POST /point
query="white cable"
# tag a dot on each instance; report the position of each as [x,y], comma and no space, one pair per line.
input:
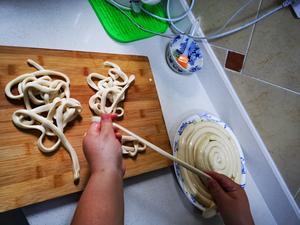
[237,12]
[145,29]
[170,19]
[210,37]
[214,36]
[120,6]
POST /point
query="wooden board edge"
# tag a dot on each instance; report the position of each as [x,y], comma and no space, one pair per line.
[67,53]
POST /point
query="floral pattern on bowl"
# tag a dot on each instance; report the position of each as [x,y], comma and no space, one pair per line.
[176,47]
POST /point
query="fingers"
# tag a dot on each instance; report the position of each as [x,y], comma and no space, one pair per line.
[216,191]
[225,182]
[118,136]
[106,124]
[104,127]
[94,129]
[113,116]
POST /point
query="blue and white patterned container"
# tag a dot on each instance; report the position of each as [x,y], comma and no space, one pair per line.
[176,47]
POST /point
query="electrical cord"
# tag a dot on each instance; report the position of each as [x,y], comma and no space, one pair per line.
[215,35]
[178,18]
[170,19]
[211,37]
[145,29]
[285,4]
[237,12]
[118,5]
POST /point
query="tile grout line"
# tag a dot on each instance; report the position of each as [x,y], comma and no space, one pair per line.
[246,55]
[226,49]
[266,82]
[247,49]
[251,36]
[249,42]
[253,28]
[241,73]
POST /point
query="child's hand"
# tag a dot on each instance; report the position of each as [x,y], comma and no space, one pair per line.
[101,147]
[231,200]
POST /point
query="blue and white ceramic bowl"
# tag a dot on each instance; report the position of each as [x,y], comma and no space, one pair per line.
[176,47]
[179,131]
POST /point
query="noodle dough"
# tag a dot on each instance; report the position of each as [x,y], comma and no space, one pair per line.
[111,90]
[208,146]
[133,149]
[49,107]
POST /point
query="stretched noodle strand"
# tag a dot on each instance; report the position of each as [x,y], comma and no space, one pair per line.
[44,94]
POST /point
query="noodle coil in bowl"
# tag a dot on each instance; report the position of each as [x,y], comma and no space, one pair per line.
[207,143]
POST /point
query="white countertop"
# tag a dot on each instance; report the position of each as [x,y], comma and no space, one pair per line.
[72,25]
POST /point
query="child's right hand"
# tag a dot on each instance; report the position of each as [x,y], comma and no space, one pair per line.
[231,200]
[102,148]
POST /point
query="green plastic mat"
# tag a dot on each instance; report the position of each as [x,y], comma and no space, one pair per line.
[120,28]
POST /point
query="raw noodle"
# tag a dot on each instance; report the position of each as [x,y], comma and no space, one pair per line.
[49,108]
[208,146]
[111,90]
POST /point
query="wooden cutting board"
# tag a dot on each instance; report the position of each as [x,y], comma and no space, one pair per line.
[28,176]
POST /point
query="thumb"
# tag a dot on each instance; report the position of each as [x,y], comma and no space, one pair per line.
[106,124]
[216,191]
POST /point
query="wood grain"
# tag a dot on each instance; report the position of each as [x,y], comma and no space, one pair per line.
[28,176]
